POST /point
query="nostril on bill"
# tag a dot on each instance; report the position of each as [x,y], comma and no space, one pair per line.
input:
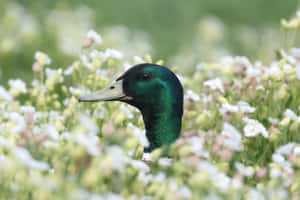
[112,87]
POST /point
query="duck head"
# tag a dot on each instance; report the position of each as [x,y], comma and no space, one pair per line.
[156,92]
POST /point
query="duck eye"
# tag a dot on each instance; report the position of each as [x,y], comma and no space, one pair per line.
[145,77]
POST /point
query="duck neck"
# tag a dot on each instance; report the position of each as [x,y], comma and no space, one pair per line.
[162,123]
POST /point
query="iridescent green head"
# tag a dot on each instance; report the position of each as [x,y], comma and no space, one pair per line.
[157,93]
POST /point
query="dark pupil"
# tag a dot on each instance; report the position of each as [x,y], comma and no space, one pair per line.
[145,77]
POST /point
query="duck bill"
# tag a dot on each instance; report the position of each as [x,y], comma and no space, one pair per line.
[112,93]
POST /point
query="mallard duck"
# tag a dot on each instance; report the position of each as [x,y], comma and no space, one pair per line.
[156,92]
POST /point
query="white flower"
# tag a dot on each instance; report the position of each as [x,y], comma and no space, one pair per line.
[246,171]
[289,113]
[279,159]
[185,192]
[140,135]
[68,71]
[42,58]
[138,59]
[147,157]
[165,161]
[90,142]
[113,53]
[94,36]
[18,84]
[192,95]
[197,147]
[297,151]
[19,122]
[90,125]
[228,108]
[273,120]
[4,94]
[109,53]
[298,13]
[127,110]
[52,132]
[286,149]
[289,58]
[255,194]
[253,128]
[233,138]
[160,177]
[119,160]
[24,157]
[214,84]
[139,165]
[76,91]
[222,182]
[53,73]
[27,109]
[245,107]
[85,61]
[5,143]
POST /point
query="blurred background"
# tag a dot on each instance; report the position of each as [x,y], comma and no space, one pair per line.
[183,33]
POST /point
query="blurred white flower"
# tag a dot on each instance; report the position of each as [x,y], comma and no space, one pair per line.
[113,53]
[139,165]
[89,124]
[214,84]
[246,171]
[185,192]
[212,196]
[197,147]
[297,151]
[253,128]
[233,137]
[42,58]
[286,149]
[255,194]
[147,157]
[94,36]
[5,143]
[52,132]
[85,61]
[19,121]
[164,161]
[291,114]
[160,177]
[228,108]
[68,71]
[279,159]
[18,84]
[190,94]
[27,109]
[90,142]
[127,110]
[4,94]
[298,13]
[273,120]
[140,135]
[245,107]
[24,157]
[119,160]
[76,91]
[53,73]
[109,53]
[138,59]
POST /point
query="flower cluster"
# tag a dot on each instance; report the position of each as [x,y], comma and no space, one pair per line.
[240,135]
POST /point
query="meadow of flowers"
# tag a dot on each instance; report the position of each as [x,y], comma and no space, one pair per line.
[240,137]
